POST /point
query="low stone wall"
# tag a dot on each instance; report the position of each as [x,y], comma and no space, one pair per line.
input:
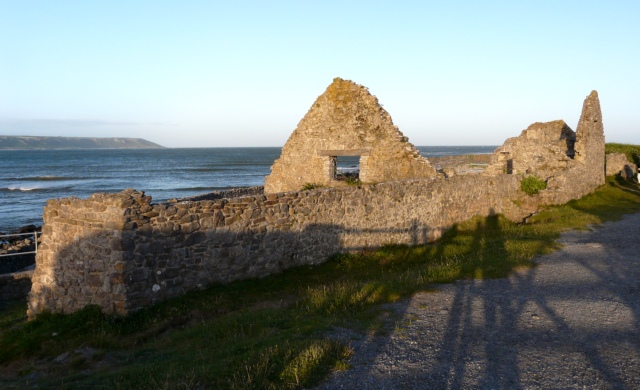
[225,194]
[122,252]
[14,287]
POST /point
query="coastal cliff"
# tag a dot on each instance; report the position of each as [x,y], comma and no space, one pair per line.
[31,142]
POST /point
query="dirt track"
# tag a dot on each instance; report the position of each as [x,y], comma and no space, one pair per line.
[571,322]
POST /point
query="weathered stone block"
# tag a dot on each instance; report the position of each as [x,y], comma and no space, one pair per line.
[617,163]
[138,275]
[93,280]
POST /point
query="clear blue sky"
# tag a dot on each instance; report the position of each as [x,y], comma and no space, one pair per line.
[243,73]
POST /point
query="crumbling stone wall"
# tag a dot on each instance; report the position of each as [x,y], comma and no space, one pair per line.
[122,252]
[225,194]
[572,164]
[618,163]
[589,145]
[542,149]
[85,252]
[346,120]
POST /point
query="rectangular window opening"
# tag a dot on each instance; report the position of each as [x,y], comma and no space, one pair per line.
[348,168]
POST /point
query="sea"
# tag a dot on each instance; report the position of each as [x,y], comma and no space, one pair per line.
[29,177]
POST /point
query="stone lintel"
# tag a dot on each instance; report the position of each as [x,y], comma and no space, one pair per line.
[352,152]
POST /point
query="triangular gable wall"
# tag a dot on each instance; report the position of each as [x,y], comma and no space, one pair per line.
[346,120]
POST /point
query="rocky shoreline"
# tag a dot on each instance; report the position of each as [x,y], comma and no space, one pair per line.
[16,245]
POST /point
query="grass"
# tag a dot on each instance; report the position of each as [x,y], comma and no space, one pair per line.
[632,151]
[311,186]
[352,181]
[349,179]
[273,333]
[531,185]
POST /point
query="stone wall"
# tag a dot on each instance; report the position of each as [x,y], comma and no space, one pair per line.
[85,252]
[346,120]
[572,164]
[225,194]
[542,150]
[618,163]
[122,252]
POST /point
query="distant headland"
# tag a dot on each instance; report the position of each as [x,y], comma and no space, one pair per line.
[19,142]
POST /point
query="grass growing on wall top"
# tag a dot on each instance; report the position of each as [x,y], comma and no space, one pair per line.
[311,186]
[273,332]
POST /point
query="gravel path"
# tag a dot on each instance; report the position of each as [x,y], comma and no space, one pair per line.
[571,322]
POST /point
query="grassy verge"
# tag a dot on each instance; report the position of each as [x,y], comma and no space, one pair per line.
[272,333]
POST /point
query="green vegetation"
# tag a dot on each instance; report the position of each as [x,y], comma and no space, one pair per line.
[531,185]
[274,332]
[311,186]
[349,178]
[352,181]
[632,151]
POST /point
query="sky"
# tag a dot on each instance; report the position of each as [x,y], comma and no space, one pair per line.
[244,73]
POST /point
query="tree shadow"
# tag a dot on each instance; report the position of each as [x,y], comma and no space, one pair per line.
[509,331]
[469,311]
[572,321]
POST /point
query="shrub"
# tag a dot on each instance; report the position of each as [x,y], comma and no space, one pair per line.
[531,185]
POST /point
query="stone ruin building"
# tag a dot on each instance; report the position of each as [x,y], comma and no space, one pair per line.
[541,149]
[346,120]
[550,150]
[122,252]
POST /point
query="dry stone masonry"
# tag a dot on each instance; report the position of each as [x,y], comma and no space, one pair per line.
[122,252]
[572,164]
[346,120]
[542,149]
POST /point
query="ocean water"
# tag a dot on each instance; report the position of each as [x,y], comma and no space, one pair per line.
[29,177]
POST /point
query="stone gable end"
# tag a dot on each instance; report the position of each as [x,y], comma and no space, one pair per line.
[346,120]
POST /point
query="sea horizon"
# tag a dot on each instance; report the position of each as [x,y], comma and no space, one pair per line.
[28,178]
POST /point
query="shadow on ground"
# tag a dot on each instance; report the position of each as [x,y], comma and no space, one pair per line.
[571,322]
